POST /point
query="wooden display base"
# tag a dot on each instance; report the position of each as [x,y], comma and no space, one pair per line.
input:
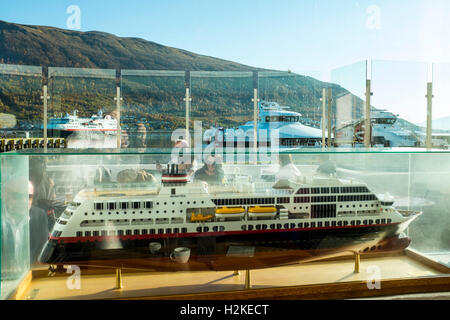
[351,277]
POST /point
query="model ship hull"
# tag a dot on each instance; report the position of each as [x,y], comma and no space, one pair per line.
[227,250]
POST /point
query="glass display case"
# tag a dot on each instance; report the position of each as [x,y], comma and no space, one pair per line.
[79,220]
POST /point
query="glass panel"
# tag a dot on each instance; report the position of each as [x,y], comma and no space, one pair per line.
[350,104]
[212,213]
[292,106]
[441,112]
[399,102]
[152,107]
[15,254]
[21,111]
[82,107]
[221,105]
[429,193]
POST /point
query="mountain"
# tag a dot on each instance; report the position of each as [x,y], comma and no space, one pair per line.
[441,124]
[48,46]
[157,100]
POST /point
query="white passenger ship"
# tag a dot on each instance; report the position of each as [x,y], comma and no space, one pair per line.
[65,125]
[289,221]
[274,122]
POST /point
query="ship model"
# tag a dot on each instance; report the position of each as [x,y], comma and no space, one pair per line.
[239,225]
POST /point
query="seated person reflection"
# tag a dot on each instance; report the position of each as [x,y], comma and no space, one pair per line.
[185,162]
[287,170]
[211,172]
[40,227]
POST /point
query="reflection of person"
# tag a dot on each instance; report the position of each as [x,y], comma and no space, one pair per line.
[137,137]
[14,224]
[326,166]
[40,226]
[124,141]
[44,195]
[211,172]
[287,170]
[185,162]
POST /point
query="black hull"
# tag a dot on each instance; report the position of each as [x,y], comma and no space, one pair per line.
[212,252]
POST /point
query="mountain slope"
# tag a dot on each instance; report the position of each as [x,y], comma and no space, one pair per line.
[160,100]
[48,46]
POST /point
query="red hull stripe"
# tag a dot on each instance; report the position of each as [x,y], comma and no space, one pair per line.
[85,129]
[199,234]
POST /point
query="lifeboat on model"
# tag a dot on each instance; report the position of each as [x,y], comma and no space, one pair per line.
[230,212]
[200,217]
[258,211]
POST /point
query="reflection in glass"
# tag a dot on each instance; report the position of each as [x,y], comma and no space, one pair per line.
[152,107]
[21,111]
[82,107]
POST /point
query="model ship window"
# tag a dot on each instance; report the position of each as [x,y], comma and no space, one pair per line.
[119,222]
[111,205]
[141,221]
[136,205]
[324,190]
[152,231]
[387,203]
[283,200]
[360,189]
[103,233]
[124,205]
[92,223]
[79,234]
[302,199]
[87,233]
[335,190]
[148,204]
[367,212]
[315,190]
[364,197]
[98,206]
[161,220]
[177,220]
[303,191]
[324,199]
[120,232]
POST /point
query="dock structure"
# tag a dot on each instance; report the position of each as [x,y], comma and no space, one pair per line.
[31,143]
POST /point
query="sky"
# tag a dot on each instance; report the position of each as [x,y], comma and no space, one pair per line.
[306,36]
